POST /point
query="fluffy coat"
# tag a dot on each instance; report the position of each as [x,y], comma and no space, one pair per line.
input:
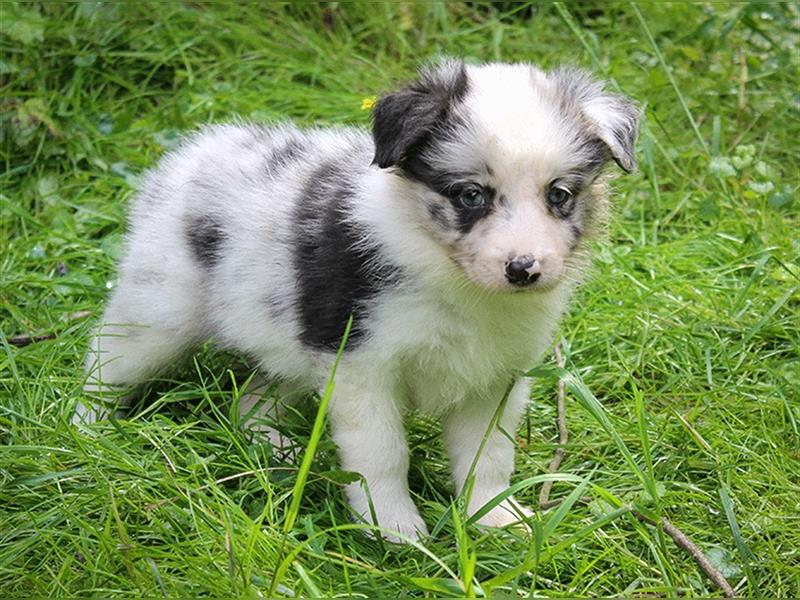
[454,235]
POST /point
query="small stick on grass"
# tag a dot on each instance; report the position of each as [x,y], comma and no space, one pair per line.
[681,539]
[563,436]
[742,82]
[24,340]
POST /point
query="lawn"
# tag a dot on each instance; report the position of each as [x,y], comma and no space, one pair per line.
[682,351]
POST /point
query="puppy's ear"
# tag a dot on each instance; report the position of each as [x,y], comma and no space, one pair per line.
[615,117]
[403,120]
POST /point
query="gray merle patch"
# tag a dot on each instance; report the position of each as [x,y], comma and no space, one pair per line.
[284,154]
[205,235]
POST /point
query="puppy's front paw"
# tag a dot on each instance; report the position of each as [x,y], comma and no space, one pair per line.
[508,512]
[402,527]
[398,519]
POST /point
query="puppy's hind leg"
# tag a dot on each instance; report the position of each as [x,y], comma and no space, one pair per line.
[144,329]
[260,413]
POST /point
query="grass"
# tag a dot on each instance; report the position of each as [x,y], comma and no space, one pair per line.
[683,351]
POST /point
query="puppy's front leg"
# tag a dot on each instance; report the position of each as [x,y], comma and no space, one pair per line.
[464,429]
[367,426]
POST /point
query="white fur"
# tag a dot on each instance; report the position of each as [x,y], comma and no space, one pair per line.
[446,342]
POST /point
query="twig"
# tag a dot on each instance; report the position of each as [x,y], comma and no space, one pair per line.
[26,339]
[681,539]
[742,82]
[23,340]
[563,436]
[553,503]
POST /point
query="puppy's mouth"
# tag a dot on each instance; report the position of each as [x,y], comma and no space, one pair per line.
[537,286]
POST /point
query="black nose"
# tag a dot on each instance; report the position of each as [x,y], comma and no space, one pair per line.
[522,270]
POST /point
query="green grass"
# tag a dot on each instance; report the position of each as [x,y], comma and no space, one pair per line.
[688,332]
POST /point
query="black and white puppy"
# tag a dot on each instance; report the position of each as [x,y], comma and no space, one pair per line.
[454,235]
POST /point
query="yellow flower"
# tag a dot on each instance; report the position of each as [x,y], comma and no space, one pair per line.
[368,102]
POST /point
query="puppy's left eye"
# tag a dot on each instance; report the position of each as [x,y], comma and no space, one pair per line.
[558,196]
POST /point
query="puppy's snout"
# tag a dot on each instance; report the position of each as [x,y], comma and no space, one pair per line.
[522,270]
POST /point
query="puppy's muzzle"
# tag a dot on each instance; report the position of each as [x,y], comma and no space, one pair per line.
[523,270]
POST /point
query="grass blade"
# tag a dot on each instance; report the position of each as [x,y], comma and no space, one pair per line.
[308,457]
[521,485]
[590,402]
[316,434]
[558,515]
[741,546]
[670,76]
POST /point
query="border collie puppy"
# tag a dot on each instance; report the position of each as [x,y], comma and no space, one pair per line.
[454,235]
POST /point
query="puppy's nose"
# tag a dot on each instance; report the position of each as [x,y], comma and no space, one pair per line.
[522,270]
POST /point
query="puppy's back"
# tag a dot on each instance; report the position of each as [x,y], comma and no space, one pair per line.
[213,236]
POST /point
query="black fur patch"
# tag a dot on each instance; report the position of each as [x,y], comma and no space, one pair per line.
[205,236]
[337,275]
[404,120]
[468,217]
[407,125]
[450,185]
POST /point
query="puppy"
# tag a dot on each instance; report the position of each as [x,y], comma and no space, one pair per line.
[454,235]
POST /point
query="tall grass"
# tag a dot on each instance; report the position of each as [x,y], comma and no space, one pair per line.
[682,371]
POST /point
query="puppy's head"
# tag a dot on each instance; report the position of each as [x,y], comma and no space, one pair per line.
[505,163]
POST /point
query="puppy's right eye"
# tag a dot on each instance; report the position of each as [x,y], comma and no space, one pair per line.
[472,197]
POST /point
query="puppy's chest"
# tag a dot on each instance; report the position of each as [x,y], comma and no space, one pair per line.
[454,356]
